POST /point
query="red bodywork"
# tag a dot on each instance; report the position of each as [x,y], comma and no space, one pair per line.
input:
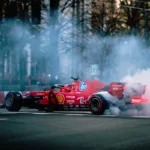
[117,89]
[76,94]
[72,95]
[139,100]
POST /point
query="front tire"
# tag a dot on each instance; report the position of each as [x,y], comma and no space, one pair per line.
[97,104]
[13,101]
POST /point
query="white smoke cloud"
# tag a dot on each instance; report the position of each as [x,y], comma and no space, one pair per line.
[128,62]
[141,76]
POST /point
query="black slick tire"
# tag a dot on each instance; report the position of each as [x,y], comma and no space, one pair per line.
[97,104]
[13,101]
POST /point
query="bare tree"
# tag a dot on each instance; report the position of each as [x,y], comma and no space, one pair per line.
[36,11]
[9,12]
[54,36]
[133,16]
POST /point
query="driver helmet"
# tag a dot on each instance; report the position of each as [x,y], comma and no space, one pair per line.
[68,87]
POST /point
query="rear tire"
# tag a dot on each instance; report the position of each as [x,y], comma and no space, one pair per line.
[13,101]
[97,104]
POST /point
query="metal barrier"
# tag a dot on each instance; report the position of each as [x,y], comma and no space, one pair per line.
[9,88]
[18,88]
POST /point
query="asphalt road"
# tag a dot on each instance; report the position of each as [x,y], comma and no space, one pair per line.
[71,131]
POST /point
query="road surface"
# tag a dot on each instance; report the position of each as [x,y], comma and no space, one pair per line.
[72,131]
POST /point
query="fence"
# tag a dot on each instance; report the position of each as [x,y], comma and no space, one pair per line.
[18,88]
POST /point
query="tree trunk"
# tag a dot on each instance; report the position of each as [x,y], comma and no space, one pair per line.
[1,9]
[11,9]
[54,6]
[36,11]
[36,20]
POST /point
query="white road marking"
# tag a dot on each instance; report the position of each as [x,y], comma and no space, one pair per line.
[41,113]
[23,112]
[15,113]
[46,113]
[69,114]
[140,116]
[9,113]
[76,114]
[109,115]
[3,119]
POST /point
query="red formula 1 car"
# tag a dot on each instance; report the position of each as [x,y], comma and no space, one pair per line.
[93,94]
[57,97]
[123,96]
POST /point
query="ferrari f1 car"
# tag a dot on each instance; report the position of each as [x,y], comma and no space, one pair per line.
[57,97]
[91,94]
